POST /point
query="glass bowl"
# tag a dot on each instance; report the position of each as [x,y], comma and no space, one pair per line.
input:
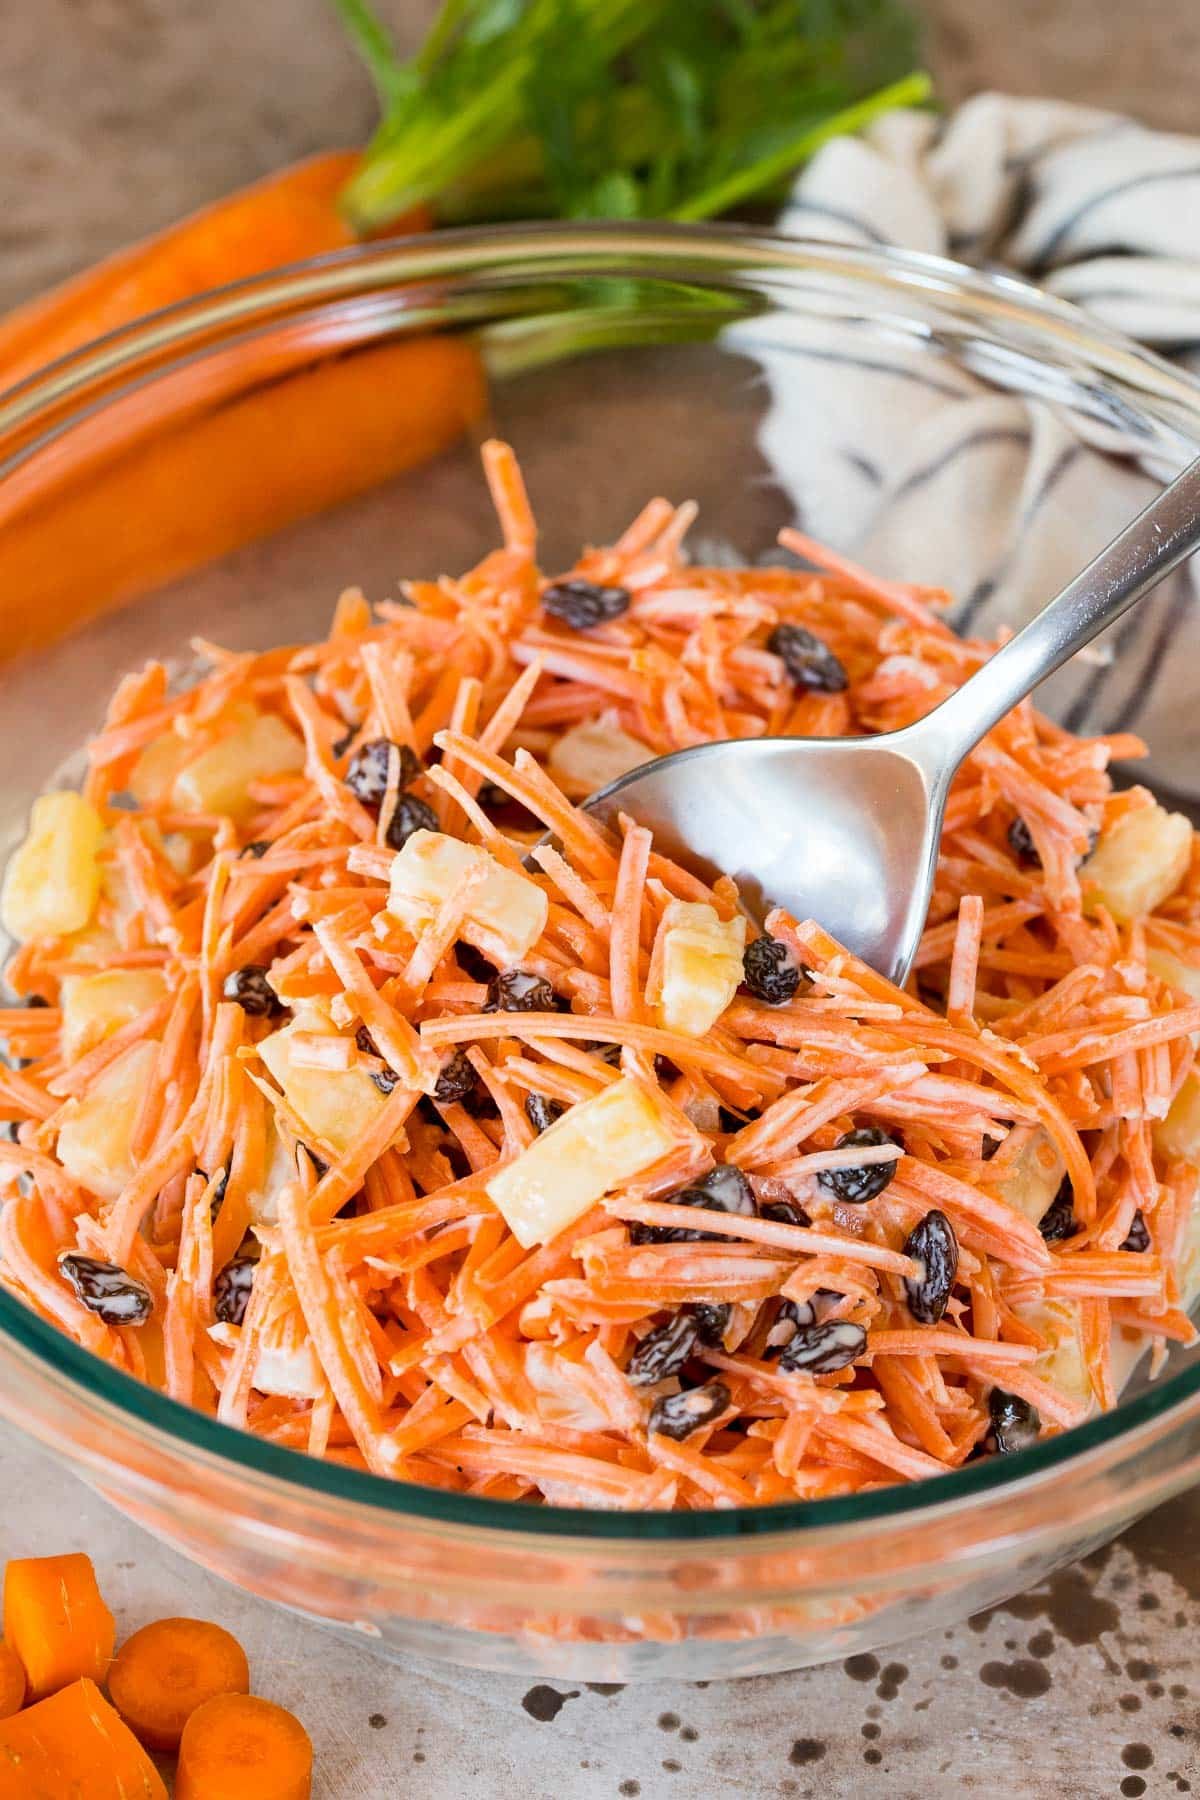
[764,378]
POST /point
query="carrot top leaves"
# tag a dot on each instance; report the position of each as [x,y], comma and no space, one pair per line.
[619,108]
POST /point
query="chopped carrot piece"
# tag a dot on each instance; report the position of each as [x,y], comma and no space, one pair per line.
[12,1682]
[56,1621]
[74,1746]
[166,1670]
[242,1748]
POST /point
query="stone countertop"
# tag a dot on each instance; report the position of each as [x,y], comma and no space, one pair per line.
[1089,1685]
[118,116]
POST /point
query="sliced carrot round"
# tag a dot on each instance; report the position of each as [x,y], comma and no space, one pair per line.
[242,1748]
[12,1681]
[168,1669]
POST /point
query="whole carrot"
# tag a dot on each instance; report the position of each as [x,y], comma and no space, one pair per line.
[130,501]
[287,216]
[116,516]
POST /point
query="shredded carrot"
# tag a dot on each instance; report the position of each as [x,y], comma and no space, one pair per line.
[363,1066]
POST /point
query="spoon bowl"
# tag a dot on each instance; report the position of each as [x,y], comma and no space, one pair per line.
[845,830]
[842,830]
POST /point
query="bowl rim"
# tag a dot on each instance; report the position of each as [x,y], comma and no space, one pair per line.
[541,250]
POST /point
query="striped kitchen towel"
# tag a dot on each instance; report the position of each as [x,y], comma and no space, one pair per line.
[980,488]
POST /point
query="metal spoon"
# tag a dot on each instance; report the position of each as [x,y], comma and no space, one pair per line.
[846,830]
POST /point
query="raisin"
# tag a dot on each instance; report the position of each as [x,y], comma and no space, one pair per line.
[711,1319]
[340,745]
[723,1189]
[479,1103]
[1139,1234]
[607,1053]
[663,1351]
[34,1001]
[809,662]
[824,1347]
[1059,1221]
[583,604]
[542,1112]
[770,972]
[793,1316]
[515,990]
[473,963]
[218,1193]
[1015,1423]
[933,1244]
[1020,842]
[678,1415]
[252,991]
[231,1290]
[257,849]
[857,1186]
[385,1079]
[456,1079]
[105,1289]
[367,776]
[409,815]
[784,1212]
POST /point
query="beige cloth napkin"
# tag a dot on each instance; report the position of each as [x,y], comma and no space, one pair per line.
[994,495]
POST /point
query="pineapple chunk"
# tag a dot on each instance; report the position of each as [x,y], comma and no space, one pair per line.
[1175,972]
[589,756]
[52,882]
[1035,1178]
[94,1006]
[217,780]
[700,966]
[1178,1135]
[1141,859]
[595,1147]
[280,1169]
[289,1369]
[156,769]
[507,913]
[337,1105]
[96,1134]
[160,764]
[1063,1363]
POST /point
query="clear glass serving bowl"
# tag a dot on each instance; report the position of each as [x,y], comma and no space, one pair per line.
[621,363]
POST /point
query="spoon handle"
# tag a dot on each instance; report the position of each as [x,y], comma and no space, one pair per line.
[1138,557]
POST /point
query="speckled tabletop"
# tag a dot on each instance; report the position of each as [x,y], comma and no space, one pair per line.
[118,115]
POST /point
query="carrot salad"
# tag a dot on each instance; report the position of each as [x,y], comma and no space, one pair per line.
[368,1095]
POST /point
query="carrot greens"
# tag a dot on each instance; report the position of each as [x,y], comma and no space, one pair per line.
[619,108]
